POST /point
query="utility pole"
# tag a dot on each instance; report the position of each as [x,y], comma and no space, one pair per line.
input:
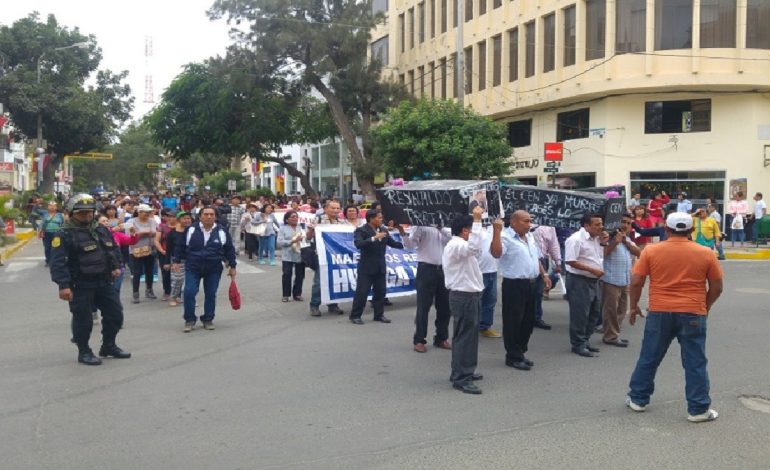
[460,54]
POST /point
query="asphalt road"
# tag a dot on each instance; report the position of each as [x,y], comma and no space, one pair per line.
[272,387]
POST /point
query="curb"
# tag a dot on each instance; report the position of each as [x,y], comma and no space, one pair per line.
[24,239]
[759,256]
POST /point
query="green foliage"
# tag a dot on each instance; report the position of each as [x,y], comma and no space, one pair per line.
[255,193]
[76,117]
[218,181]
[443,138]
[11,213]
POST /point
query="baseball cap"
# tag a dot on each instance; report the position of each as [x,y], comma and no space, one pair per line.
[181,214]
[679,222]
[143,208]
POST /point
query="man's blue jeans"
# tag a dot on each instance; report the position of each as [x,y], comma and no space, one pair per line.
[488,301]
[660,329]
[192,281]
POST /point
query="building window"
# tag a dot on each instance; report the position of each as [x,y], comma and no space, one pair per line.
[673,24]
[717,23]
[468,10]
[630,25]
[664,117]
[570,36]
[455,14]
[402,79]
[380,50]
[497,4]
[468,70]
[596,22]
[432,78]
[497,58]
[572,124]
[529,59]
[757,19]
[379,6]
[513,55]
[443,15]
[442,68]
[433,18]
[482,7]
[410,79]
[482,65]
[549,42]
[402,31]
[520,133]
[421,81]
[421,22]
[410,20]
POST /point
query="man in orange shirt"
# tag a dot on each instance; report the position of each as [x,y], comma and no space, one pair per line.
[679,302]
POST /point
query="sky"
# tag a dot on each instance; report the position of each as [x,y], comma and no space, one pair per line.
[180,30]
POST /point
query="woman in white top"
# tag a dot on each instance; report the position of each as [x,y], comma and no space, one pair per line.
[143,252]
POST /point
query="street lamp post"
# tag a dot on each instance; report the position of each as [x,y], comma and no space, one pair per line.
[40,150]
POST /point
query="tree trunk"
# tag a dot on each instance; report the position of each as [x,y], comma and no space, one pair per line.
[304,180]
[49,174]
[345,129]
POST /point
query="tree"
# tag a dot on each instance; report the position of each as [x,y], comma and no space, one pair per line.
[442,138]
[324,43]
[229,107]
[75,117]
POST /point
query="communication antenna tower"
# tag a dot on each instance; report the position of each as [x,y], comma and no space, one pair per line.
[149,95]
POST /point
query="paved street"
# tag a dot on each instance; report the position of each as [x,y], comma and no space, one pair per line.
[275,388]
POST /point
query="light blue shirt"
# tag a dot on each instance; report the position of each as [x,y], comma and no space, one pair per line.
[617,266]
[684,206]
[521,256]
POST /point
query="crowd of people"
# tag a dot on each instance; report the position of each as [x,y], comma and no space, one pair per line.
[181,242]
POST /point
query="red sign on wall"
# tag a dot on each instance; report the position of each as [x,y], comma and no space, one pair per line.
[554,151]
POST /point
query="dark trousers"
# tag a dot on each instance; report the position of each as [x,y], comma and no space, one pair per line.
[141,266]
[585,303]
[47,239]
[364,282]
[192,283]
[431,288]
[165,275]
[105,298]
[465,308]
[299,275]
[252,245]
[518,311]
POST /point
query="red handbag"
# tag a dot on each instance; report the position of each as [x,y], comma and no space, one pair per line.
[235,296]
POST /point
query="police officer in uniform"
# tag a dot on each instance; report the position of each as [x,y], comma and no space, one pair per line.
[84,262]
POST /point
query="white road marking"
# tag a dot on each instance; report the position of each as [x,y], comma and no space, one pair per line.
[752,290]
[19,266]
[244,268]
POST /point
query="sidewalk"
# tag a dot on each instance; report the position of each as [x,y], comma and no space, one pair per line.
[23,236]
[749,251]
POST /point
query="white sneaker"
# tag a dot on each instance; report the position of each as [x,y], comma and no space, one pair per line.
[634,406]
[710,415]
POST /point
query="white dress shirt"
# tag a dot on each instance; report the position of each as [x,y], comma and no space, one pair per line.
[521,256]
[487,262]
[429,242]
[461,266]
[581,247]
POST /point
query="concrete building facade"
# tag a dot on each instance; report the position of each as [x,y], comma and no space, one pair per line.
[653,94]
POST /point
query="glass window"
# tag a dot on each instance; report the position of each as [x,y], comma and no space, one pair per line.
[402,31]
[513,54]
[520,133]
[432,18]
[455,14]
[529,60]
[421,22]
[410,79]
[572,124]
[596,21]
[717,23]
[630,25]
[468,70]
[432,78]
[442,67]
[401,79]
[421,81]
[468,10]
[482,7]
[482,65]
[410,20]
[497,57]
[673,24]
[549,42]
[570,36]
[663,117]
[497,3]
[443,15]
[380,50]
[757,19]
[379,6]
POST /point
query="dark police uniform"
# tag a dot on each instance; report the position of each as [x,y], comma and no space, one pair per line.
[82,259]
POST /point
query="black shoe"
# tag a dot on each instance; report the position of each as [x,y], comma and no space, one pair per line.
[592,348]
[528,362]
[521,365]
[477,376]
[542,325]
[618,342]
[467,387]
[336,310]
[382,319]
[88,358]
[356,321]
[583,352]
[387,302]
[112,350]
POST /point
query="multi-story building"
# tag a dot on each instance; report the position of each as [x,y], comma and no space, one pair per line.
[670,94]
